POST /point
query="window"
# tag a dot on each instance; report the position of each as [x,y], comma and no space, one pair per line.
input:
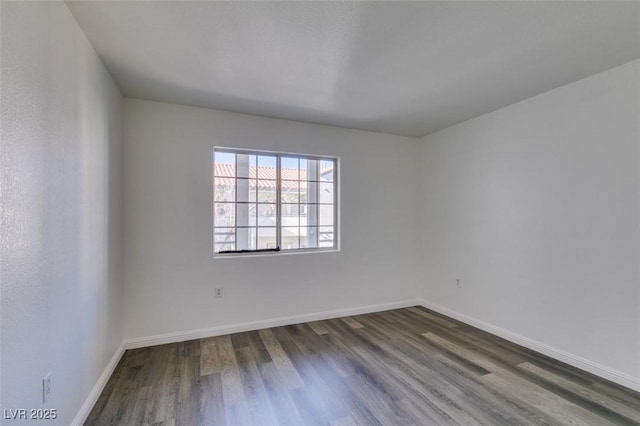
[267,201]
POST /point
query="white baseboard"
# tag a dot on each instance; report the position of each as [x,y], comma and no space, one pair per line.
[182,336]
[600,370]
[82,415]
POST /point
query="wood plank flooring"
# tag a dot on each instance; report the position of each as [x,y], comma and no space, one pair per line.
[407,366]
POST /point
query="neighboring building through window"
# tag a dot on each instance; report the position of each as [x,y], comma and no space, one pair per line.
[272,201]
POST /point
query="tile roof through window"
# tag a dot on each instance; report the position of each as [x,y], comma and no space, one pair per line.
[225,174]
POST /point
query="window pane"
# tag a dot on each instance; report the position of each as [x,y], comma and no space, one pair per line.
[225,189]
[246,190]
[309,237]
[227,235]
[326,236]
[225,164]
[309,215]
[253,214]
[253,190]
[325,192]
[326,214]
[247,214]
[266,167]
[288,168]
[289,191]
[326,171]
[290,214]
[224,247]
[224,214]
[290,240]
[245,166]
[308,192]
[267,214]
[267,191]
[308,169]
[290,226]
[246,239]
[267,238]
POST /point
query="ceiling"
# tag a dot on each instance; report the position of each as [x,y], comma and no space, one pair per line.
[407,68]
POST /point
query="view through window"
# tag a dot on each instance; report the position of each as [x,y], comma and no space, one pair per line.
[272,201]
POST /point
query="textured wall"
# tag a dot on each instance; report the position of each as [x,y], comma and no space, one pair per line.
[169,270]
[60,189]
[536,208]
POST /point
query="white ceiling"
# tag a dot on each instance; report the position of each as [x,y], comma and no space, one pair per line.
[404,68]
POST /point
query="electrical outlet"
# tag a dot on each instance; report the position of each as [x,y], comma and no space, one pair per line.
[46,388]
[458,283]
[219,293]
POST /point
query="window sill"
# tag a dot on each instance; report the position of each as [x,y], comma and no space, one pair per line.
[219,256]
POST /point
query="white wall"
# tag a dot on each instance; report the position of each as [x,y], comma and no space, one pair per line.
[169,272]
[536,207]
[60,231]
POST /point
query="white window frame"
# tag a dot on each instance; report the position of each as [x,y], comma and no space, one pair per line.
[279,155]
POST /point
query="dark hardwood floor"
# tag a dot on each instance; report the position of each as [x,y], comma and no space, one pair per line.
[402,367]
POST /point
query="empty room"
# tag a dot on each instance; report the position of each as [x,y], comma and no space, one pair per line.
[319,213]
